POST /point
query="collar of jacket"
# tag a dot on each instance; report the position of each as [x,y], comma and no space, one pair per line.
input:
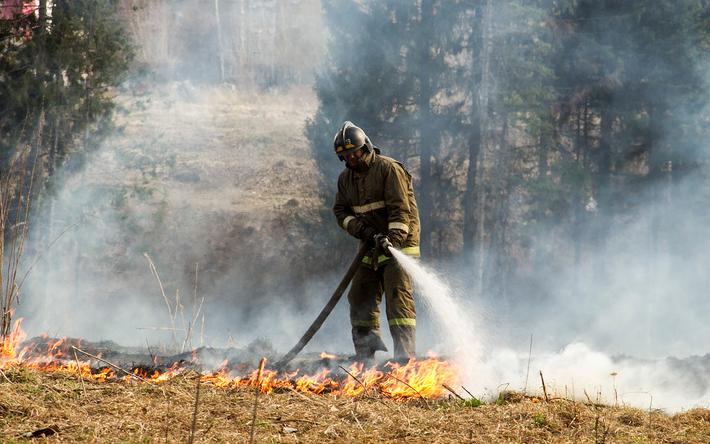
[365,164]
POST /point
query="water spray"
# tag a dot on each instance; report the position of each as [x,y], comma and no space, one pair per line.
[461,334]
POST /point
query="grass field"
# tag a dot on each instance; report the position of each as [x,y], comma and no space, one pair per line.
[70,410]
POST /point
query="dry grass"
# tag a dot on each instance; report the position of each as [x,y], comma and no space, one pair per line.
[246,147]
[113,412]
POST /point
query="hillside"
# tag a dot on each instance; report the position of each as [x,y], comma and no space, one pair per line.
[221,149]
[209,178]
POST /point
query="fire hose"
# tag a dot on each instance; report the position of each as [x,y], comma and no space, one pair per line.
[332,302]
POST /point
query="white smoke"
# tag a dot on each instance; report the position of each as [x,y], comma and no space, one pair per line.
[578,371]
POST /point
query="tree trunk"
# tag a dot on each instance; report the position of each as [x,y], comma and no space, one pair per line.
[475,139]
[661,172]
[427,138]
[469,199]
[542,155]
[49,232]
[578,195]
[424,197]
[603,216]
[220,51]
[481,190]
[242,47]
[585,138]
[498,265]
[604,166]
[42,11]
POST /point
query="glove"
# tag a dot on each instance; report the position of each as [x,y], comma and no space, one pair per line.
[397,238]
[360,230]
[383,242]
[367,233]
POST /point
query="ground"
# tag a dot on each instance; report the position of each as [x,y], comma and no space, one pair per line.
[77,411]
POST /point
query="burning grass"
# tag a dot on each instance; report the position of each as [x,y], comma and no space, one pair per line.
[424,379]
[45,394]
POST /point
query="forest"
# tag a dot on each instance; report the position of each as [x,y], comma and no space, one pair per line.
[537,129]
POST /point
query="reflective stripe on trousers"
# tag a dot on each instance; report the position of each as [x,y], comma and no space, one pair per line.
[403,322]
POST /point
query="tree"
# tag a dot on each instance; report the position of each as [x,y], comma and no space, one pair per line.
[632,67]
[56,72]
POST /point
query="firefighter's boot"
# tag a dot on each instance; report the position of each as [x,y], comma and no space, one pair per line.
[367,341]
[404,338]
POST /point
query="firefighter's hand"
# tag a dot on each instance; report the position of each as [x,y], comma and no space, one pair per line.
[384,243]
[397,237]
[368,233]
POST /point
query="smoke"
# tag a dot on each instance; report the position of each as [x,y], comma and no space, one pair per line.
[581,372]
[578,371]
[199,178]
[634,307]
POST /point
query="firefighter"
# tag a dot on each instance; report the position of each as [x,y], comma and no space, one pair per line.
[375,203]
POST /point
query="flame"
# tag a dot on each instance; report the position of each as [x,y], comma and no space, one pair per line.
[8,347]
[324,355]
[415,379]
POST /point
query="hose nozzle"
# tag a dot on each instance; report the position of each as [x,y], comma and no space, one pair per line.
[383,244]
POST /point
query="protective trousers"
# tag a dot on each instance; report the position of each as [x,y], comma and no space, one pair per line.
[365,296]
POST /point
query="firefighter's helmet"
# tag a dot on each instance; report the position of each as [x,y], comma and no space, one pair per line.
[350,138]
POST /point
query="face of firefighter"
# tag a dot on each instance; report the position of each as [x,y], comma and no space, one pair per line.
[353,158]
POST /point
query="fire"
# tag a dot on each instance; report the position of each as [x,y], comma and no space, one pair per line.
[415,379]
[8,347]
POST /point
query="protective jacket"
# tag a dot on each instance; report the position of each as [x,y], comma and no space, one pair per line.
[380,197]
